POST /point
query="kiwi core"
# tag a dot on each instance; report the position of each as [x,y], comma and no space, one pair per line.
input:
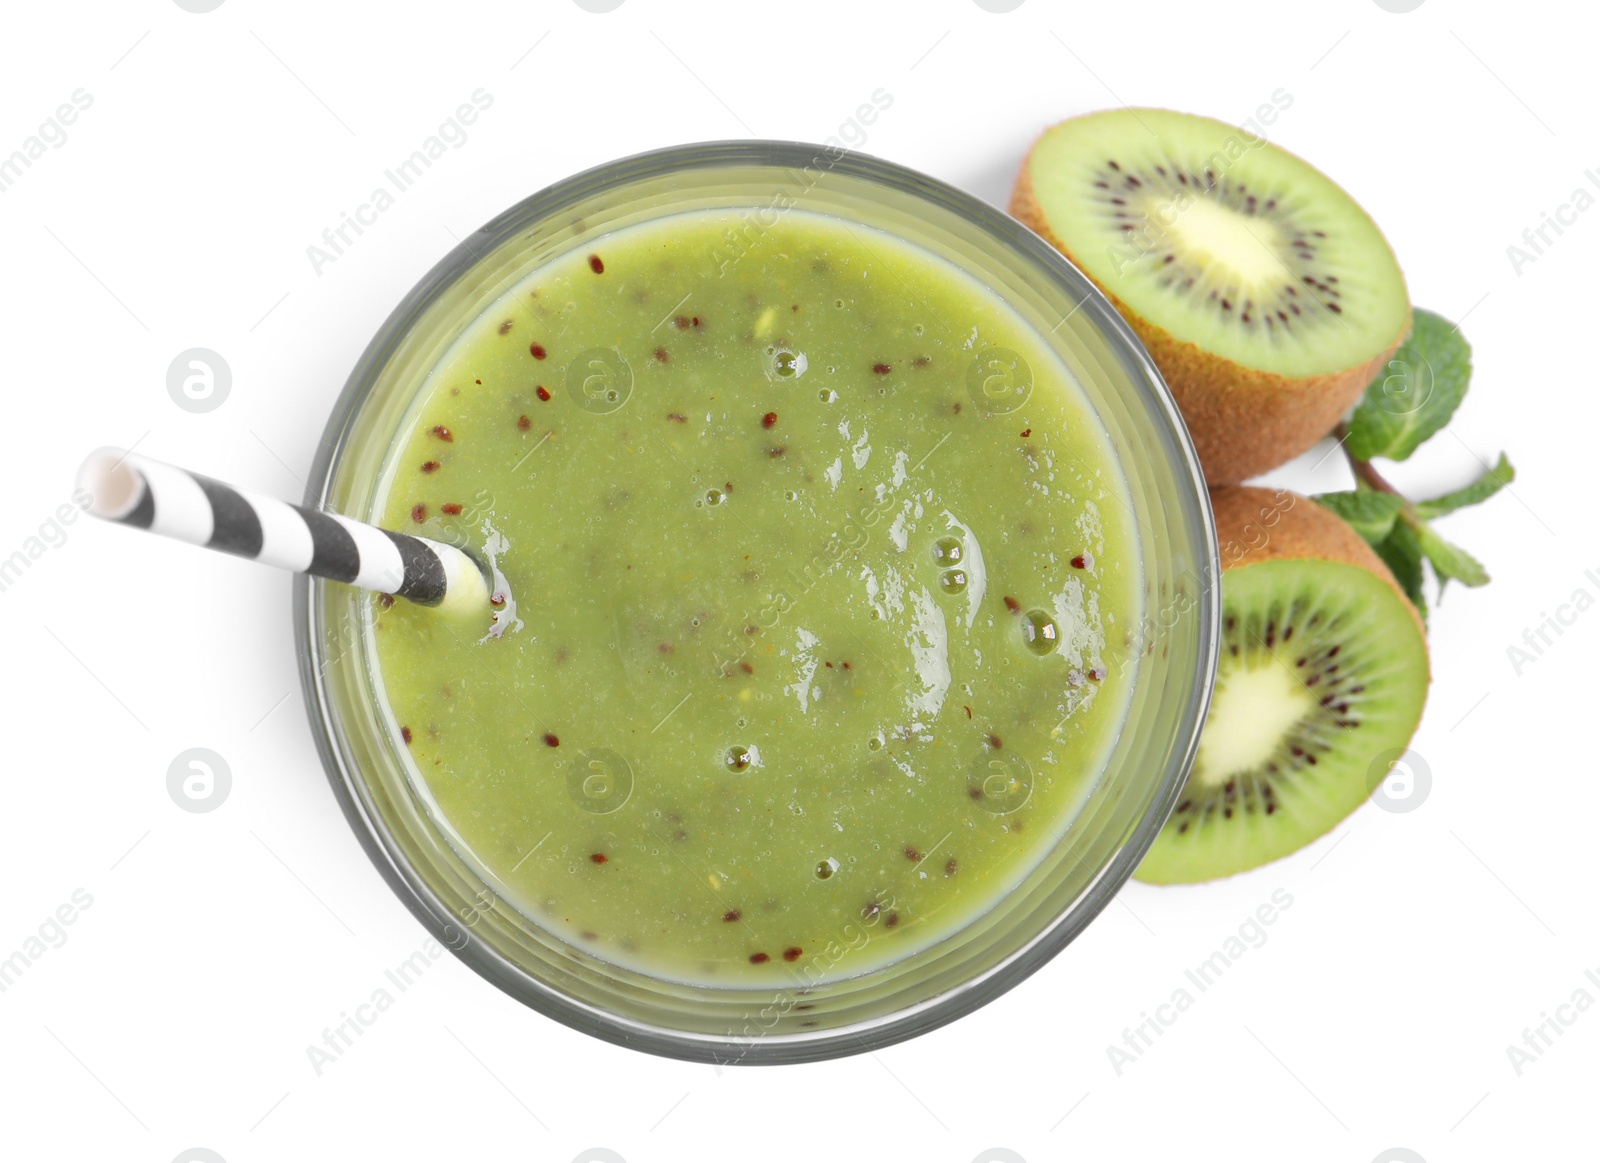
[1252,712]
[1229,247]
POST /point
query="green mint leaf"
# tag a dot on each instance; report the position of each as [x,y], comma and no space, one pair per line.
[1450,562]
[1402,553]
[1368,512]
[1479,491]
[1415,395]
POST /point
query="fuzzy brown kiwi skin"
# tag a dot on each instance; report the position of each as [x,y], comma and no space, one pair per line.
[1256,525]
[1243,421]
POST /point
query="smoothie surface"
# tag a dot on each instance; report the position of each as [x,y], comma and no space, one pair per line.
[819,570]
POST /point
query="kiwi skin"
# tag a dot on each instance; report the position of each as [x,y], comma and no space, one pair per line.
[1243,421]
[1256,525]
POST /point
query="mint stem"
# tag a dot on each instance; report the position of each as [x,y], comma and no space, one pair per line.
[1363,469]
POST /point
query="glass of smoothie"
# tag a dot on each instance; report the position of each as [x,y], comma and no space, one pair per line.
[853,612]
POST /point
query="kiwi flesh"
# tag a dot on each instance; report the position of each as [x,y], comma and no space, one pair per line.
[1323,668]
[1265,294]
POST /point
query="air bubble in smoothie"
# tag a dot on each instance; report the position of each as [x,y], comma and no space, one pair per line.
[948,551]
[787,364]
[1040,632]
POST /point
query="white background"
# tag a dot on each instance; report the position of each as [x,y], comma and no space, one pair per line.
[178,1010]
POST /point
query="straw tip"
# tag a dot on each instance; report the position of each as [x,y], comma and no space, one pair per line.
[111,482]
[466,587]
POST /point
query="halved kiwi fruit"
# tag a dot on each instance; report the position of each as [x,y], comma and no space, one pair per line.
[1266,296]
[1323,669]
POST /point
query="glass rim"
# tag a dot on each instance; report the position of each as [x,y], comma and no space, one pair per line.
[918,1017]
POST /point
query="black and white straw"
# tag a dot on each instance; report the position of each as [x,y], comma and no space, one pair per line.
[174,502]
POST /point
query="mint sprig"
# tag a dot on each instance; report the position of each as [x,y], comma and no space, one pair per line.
[1416,393]
[1479,491]
[1402,553]
[1408,402]
[1371,514]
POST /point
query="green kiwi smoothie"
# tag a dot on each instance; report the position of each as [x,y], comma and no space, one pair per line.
[814,573]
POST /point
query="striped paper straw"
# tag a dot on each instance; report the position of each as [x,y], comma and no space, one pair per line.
[174,502]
